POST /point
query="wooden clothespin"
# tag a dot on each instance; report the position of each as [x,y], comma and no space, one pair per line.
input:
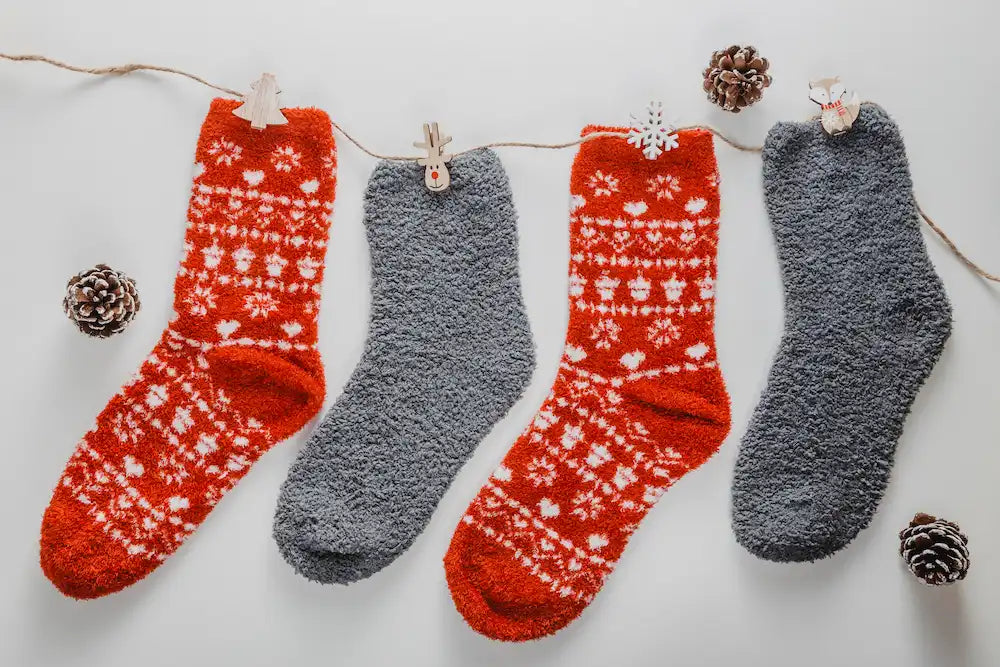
[436,176]
[839,111]
[652,132]
[260,105]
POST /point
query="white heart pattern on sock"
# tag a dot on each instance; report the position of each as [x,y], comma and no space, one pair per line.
[227,327]
[253,177]
[632,359]
[547,508]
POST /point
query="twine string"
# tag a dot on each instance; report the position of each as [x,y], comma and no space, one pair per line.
[367,151]
[118,70]
[958,253]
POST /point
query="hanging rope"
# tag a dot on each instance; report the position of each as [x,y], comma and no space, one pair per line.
[118,70]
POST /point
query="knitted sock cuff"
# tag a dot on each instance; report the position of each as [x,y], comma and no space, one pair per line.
[305,145]
[610,167]
[478,180]
[847,191]
[805,148]
[695,152]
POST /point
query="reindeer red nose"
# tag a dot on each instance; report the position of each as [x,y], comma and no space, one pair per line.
[434,175]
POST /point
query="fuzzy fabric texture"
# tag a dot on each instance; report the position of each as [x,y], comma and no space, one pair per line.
[866,318]
[638,402]
[449,351]
[236,371]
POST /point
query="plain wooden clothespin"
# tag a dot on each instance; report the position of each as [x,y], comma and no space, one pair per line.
[260,105]
[436,176]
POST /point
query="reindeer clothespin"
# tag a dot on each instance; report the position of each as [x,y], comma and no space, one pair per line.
[260,105]
[839,111]
[436,176]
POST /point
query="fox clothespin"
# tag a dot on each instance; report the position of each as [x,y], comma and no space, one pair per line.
[260,105]
[436,176]
[839,110]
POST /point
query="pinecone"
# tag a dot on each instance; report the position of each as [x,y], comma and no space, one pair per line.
[101,301]
[935,550]
[736,78]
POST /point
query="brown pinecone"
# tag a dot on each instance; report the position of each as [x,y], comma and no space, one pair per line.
[101,301]
[736,78]
[935,550]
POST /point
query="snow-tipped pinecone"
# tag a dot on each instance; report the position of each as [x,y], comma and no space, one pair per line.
[101,301]
[935,550]
[736,78]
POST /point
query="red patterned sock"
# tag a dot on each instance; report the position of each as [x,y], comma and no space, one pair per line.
[638,401]
[236,371]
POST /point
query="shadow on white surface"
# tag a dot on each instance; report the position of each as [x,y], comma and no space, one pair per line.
[57,630]
[940,620]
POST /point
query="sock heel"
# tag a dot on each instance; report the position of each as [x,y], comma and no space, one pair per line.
[280,394]
[669,403]
[682,421]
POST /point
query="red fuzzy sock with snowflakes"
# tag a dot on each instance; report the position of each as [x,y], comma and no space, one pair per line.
[236,371]
[638,401]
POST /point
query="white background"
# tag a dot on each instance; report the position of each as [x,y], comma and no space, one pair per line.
[97,170]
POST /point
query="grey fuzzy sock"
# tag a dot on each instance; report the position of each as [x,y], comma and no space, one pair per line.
[866,319]
[449,350]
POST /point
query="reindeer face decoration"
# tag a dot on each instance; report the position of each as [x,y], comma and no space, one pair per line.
[436,176]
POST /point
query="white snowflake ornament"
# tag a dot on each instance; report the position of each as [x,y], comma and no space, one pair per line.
[652,133]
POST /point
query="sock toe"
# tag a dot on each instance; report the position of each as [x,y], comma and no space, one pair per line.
[327,553]
[324,566]
[794,522]
[497,596]
[80,558]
